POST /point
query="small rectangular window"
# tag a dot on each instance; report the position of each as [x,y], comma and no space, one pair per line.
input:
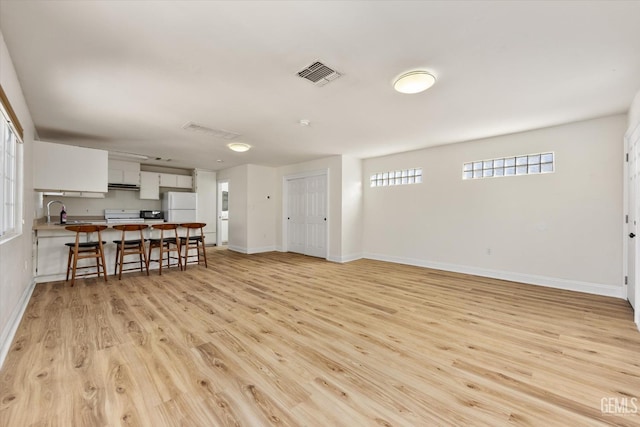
[530,164]
[398,177]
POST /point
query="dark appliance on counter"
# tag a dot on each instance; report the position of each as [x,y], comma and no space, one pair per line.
[151,215]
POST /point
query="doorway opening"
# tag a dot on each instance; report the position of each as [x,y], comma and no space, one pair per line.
[223,213]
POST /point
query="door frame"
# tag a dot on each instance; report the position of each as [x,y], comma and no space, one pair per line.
[285,205]
[626,229]
[219,211]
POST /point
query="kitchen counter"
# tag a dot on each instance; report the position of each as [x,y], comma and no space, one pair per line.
[51,253]
[41,223]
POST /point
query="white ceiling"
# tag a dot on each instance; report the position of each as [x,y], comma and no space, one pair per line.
[127,75]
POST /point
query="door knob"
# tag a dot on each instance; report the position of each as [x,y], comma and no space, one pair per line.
[632,235]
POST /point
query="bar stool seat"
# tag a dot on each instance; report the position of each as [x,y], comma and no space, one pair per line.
[165,245]
[88,249]
[126,247]
[193,241]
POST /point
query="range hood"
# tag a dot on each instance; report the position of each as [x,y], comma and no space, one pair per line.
[128,187]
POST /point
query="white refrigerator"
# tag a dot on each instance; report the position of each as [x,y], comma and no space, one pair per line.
[179,207]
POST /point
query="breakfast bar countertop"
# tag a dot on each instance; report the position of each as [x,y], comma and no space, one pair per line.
[41,224]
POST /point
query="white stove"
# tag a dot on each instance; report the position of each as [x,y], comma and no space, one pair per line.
[122,216]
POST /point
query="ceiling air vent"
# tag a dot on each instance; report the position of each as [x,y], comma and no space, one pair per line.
[319,74]
[218,133]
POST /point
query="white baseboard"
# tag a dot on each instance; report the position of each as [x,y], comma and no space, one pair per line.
[235,248]
[343,259]
[550,282]
[9,332]
[249,251]
[261,249]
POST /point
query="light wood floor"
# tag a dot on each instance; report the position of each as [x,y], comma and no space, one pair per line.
[283,339]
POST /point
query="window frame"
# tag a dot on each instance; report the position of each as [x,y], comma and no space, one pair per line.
[540,163]
[11,172]
[397,177]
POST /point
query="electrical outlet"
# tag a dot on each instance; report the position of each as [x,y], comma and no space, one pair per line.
[488,251]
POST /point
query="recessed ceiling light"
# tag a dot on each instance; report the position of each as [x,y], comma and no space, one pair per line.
[304,122]
[239,147]
[414,82]
[220,161]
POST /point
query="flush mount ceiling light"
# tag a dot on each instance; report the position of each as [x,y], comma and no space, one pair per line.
[414,82]
[239,147]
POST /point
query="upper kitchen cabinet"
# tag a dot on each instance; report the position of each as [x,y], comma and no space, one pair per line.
[149,185]
[60,167]
[176,181]
[123,173]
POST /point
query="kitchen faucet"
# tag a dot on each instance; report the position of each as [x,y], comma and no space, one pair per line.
[49,209]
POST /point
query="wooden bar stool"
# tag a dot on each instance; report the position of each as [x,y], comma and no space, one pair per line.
[193,241]
[166,245]
[87,249]
[126,247]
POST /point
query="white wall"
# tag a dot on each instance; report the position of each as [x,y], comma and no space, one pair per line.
[261,209]
[634,112]
[560,229]
[238,189]
[352,204]
[252,203]
[16,278]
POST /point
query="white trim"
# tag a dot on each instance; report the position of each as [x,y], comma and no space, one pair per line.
[550,282]
[261,249]
[249,251]
[9,332]
[345,258]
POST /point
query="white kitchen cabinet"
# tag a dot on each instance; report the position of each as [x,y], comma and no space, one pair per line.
[168,180]
[184,181]
[82,194]
[60,167]
[52,255]
[122,172]
[176,181]
[206,188]
[149,185]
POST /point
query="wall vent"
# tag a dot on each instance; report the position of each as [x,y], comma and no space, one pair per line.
[218,133]
[319,74]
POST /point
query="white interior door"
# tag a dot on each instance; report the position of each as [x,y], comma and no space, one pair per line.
[316,216]
[307,215]
[632,188]
[296,218]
